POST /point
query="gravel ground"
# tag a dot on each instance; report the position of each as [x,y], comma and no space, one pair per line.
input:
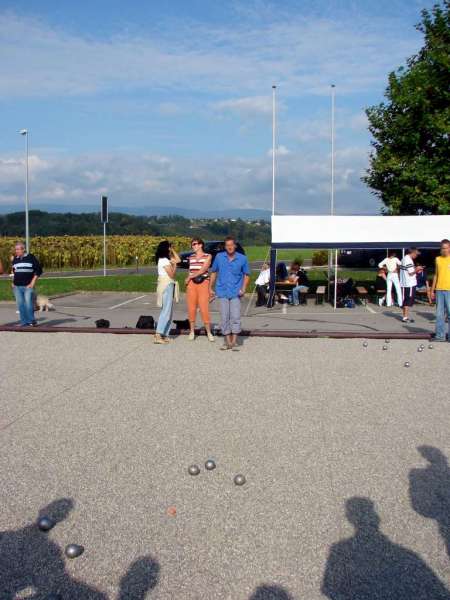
[345,451]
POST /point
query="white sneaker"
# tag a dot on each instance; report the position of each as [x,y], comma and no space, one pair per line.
[211,338]
[191,336]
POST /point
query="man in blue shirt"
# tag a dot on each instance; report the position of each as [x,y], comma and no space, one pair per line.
[231,272]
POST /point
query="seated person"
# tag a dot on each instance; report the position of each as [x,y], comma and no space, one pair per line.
[302,285]
[281,273]
[422,281]
[381,286]
[262,285]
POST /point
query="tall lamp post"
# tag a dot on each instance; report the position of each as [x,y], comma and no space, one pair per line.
[25,133]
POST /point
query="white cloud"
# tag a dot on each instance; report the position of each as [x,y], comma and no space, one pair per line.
[303,181]
[302,55]
[250,106]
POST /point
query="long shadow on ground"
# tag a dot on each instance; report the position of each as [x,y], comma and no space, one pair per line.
[368,566]
[31,563]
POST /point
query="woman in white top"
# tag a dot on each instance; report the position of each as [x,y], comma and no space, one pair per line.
[392,264]
[167,260]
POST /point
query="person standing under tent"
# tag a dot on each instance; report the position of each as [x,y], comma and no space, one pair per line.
[408,282]
[231,271]
[197,287]
[440,288]
[167,289]
[392,264]
[26,270]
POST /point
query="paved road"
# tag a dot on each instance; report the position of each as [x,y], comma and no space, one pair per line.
[124,309]
[345,454]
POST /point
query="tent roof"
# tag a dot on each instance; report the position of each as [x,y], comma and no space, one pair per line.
[327,231]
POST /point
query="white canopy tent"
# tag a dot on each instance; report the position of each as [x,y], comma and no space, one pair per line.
[336,232]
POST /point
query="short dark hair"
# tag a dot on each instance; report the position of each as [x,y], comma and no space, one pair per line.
[412,249]
[229,238]
[445,241]
[163,250]
[392,252]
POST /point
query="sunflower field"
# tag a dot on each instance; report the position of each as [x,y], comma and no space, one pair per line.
[86,252]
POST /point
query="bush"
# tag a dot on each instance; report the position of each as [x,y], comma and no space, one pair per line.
[320,258]
[299,259]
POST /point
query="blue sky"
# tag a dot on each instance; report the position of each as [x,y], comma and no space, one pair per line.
[170,103]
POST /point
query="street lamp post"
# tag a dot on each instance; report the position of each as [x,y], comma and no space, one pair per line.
[25,133]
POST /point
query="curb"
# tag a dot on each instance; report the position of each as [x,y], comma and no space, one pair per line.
[245,333]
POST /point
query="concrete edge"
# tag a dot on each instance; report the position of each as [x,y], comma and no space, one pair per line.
[245,333]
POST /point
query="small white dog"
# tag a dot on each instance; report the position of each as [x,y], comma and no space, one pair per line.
[43,303]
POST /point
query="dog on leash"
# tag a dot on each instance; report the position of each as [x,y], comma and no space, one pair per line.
[43,303]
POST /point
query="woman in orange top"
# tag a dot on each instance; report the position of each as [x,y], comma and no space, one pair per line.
[197,287]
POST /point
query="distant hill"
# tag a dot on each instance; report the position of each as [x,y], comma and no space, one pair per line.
[44,223]
[148,211]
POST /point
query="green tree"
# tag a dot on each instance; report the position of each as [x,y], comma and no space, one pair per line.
[409,164]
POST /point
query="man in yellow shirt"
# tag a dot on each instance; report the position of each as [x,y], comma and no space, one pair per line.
[441,288]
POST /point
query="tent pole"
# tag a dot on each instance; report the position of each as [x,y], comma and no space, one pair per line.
[335,278]
[273,260]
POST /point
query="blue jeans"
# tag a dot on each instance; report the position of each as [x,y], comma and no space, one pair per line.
[230,314]
[299,289]
[442,305]
[25,303]
[165,317]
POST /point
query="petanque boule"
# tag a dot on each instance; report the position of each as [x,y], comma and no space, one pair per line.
[430,346]
[387,341]
[210,465]
[365,344]
[239,479]
[407,364]
[73,550]
[420,349]
[45,523]
[194,470]
[385,347]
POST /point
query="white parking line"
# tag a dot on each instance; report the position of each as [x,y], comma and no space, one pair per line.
[126,302]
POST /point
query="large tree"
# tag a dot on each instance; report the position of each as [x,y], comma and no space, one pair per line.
[410,162]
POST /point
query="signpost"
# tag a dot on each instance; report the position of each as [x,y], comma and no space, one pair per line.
[104,218]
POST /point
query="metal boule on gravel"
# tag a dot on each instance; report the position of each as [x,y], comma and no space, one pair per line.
[210,465]
[73,550]
[239,479]
[385,347]
[430,346]
[420,349]
[194,470]
[45,523]
[387,341]
[365,344]
[407,364]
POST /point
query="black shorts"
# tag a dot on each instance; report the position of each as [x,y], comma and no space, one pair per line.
[408,294]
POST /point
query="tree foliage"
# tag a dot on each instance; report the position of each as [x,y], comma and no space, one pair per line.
[409,164]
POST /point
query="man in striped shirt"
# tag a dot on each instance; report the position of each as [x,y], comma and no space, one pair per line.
[26,270]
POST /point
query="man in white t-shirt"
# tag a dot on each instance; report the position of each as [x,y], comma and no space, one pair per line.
[392,264]
[408,281]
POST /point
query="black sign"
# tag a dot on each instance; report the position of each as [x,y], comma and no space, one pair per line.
[104,209]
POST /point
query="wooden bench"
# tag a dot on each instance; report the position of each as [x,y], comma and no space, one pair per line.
[362,293]
[320,294]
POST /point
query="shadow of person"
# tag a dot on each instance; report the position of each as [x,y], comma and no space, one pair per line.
[368,566]
[141,577]
[270,592]
[429,490]
[32,565]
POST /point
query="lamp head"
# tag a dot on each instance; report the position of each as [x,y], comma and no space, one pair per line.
[23,131]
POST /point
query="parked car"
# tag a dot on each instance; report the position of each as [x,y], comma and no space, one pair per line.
[371,257]
[212,248]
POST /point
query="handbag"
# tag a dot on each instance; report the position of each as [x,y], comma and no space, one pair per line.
[199,278]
